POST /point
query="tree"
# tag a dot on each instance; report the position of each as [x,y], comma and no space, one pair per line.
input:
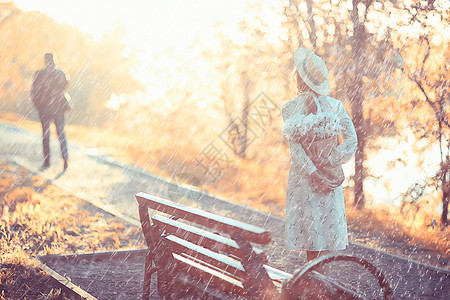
[429,73]
[96,69]
[343,41]
[409,38]
[243,66]
[434,85]
[355,91]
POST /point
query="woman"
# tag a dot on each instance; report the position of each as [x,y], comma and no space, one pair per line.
[315,210]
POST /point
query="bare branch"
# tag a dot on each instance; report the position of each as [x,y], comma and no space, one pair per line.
[433,105]
[427,54]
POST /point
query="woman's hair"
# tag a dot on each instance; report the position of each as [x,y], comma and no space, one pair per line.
[301,85]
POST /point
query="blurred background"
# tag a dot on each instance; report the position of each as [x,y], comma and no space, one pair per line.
[176,87]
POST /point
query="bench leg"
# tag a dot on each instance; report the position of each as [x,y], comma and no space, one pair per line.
[147,276]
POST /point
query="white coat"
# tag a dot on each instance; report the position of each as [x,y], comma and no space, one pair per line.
[316,222]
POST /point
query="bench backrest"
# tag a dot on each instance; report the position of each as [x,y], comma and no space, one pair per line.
[230,226]
[229,261]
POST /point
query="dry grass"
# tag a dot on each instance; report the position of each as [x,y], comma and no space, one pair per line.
[390,225]
[169,159]
[47,222]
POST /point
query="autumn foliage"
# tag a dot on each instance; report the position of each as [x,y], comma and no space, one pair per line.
[96,69]
[395,88]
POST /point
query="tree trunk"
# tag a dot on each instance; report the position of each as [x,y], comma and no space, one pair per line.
[358,120]
[357,104]
[245,113]
[312,25]
[445,178]
[445,202]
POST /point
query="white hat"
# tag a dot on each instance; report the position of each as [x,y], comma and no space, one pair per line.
[312,70]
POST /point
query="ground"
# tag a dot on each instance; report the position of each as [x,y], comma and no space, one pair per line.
[107,182]
[77,226]
[373,227]
[38,219]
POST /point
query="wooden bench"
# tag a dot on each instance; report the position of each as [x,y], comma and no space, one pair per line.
[197,254]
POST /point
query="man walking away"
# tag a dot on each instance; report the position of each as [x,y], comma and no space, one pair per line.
[48,98]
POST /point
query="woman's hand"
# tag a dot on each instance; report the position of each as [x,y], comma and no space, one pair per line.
[320,184]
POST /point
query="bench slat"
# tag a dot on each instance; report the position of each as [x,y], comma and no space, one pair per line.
[201,237]
[209,275]
[202,262]
[276,274]
[227,225]
[223,262]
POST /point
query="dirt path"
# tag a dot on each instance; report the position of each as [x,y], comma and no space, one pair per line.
[110,184]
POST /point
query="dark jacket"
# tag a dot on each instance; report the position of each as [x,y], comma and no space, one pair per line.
[48,89]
